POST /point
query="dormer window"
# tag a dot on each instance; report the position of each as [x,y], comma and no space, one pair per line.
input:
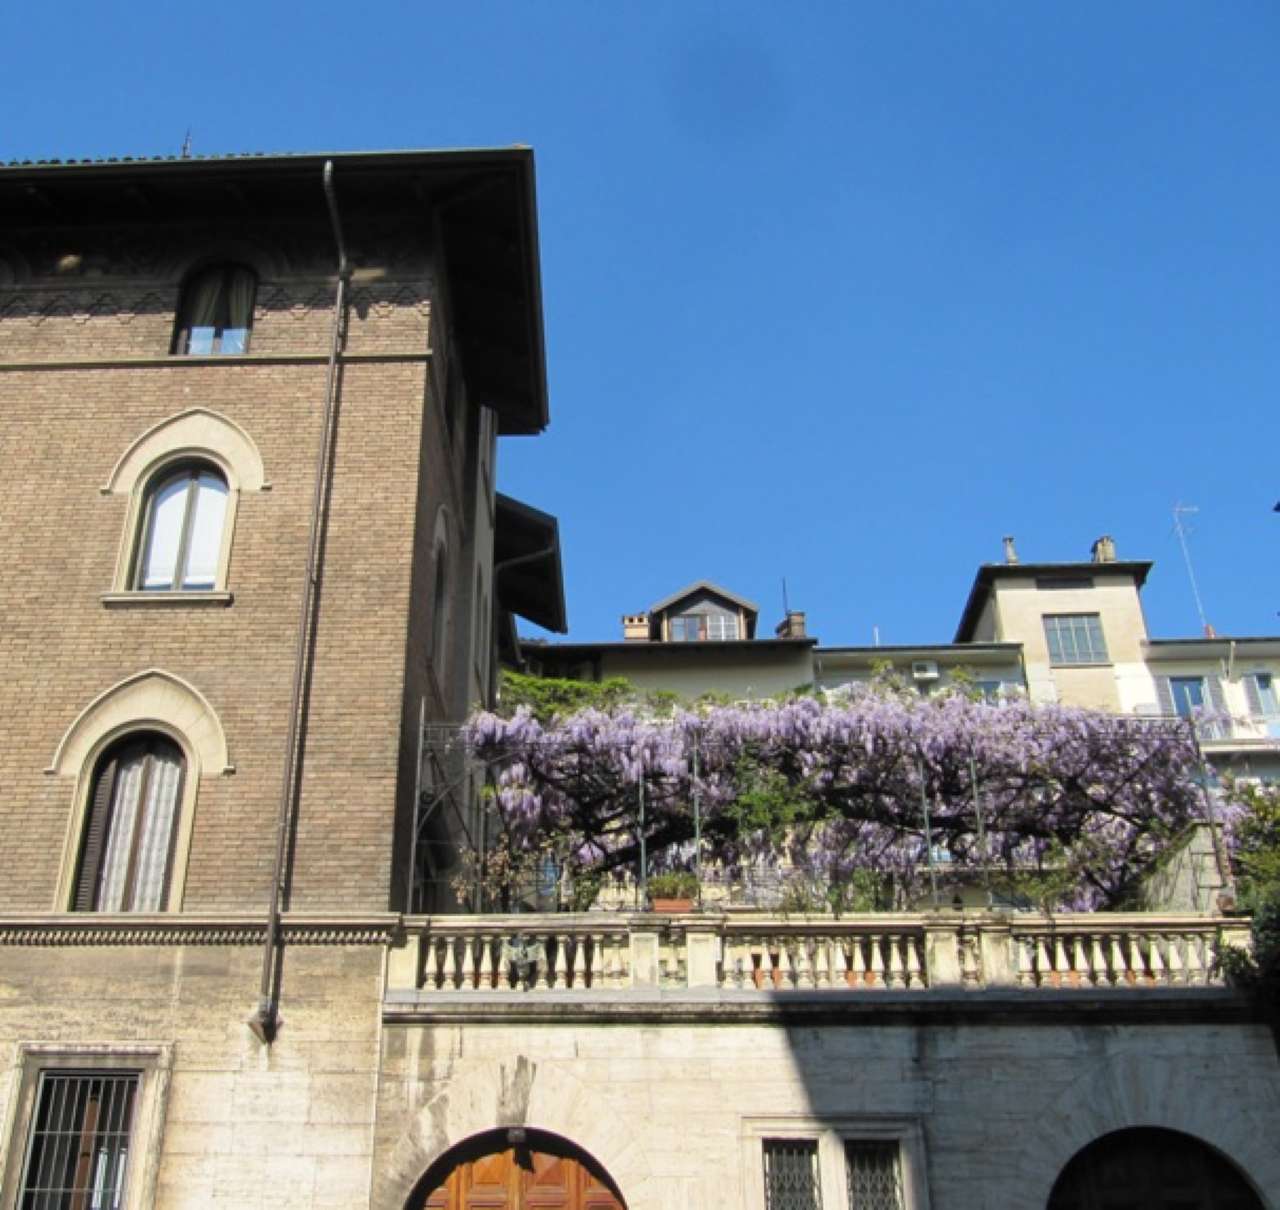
[701,627]
[216,312]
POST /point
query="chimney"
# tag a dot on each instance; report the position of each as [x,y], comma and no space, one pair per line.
[1010,553]
[792,626]
[1104,550]
[635,627]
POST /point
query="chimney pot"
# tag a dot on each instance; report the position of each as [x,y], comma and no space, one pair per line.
[791,626]
[1010,551]
[635,627]
[1104,550]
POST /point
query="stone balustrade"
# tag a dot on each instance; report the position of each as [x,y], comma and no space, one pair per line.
[611,954]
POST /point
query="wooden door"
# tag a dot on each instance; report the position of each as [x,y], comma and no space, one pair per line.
[521,1179]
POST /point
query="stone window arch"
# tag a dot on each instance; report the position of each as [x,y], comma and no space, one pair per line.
[193,468]
[151,734]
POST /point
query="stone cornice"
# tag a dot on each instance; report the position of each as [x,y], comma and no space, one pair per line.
[1157,1006]
[128,929]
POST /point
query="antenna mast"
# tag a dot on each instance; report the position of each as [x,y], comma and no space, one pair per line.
[1179,510]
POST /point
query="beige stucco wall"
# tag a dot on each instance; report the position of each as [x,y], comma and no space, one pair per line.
[671,1111]
[690,672]
[1020,610]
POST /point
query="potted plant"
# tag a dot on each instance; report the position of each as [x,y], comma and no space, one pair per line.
[674,891]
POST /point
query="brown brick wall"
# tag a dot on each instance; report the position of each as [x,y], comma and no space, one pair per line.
[65,428]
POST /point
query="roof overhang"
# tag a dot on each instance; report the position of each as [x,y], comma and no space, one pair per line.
[527,574]
[484,201]
[989,572]
[1219,648]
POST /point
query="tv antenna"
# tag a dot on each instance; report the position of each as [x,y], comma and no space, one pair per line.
[1180,528]
[186,145]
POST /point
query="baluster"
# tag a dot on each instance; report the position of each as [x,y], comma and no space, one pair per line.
[822,962]
[1119,967]
[1156,960]
[1102,972]
[1137,967]
[840,962]
[543,963]
[1024,953]
[1080,972]
[593,966]
[431,964]
[616,975]
[1061,963]
[486,963]
[914,976]
[560,974]
[877,960]
[467,971]
[1195,960]
[895,962]
[802,963]
[1044,966]
[1177,968]
[449,971]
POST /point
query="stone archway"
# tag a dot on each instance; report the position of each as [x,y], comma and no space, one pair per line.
[1148,1168]
[516,1169]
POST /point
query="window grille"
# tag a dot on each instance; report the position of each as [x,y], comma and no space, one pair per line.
[1075,638]
[791,1175]
[79,1145]
[875,1182]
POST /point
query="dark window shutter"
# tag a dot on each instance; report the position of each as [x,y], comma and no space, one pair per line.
[95,836]
[1252,694]
[1164,694]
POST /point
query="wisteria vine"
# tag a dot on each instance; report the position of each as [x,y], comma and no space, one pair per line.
[839,786]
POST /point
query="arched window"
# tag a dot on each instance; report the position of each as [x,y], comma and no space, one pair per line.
[183,521]
[126,855]
[216,311]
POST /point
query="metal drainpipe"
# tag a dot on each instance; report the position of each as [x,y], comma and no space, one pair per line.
[266,1020]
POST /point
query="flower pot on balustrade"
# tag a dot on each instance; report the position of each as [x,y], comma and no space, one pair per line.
[674,891]
[670,906]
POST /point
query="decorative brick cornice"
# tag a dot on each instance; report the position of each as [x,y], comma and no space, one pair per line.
[92,929]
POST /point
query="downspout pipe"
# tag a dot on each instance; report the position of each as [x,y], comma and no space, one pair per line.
[266,1020]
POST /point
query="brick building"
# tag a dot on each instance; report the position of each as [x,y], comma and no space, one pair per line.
[253,547]
[249,521]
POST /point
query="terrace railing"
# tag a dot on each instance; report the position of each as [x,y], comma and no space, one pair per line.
[753,954]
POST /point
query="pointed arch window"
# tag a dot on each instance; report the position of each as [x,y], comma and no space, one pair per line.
[216,312]
[183,524]
[126,856]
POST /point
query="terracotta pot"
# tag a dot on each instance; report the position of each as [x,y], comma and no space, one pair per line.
[671,906]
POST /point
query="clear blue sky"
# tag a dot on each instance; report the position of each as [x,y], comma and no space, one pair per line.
[838,292]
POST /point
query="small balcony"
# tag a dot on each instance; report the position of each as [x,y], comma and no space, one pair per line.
[734,958]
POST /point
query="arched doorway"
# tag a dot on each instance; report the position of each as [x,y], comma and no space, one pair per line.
[1151,1169]
[516,1170]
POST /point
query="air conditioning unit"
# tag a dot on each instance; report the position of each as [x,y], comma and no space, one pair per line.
[924,670]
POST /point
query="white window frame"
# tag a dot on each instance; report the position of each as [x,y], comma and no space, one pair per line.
[831,1134]
[153,1064]
[1062,660]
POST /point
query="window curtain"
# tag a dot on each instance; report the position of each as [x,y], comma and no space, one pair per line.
[203,293]
[144,804]
[241,285]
